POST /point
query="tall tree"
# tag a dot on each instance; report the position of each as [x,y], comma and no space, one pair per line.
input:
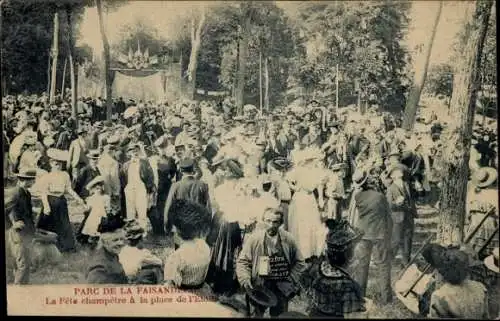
[458,135]
[196,28]
[72,62]
[420,77]
[244,35]
[107,61]
[55,56]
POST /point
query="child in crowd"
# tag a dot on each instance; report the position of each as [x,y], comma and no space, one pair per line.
[100,206]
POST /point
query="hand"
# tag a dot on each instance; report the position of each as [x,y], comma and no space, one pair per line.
[86,208]
[46,210]
[248,286]
[18,225]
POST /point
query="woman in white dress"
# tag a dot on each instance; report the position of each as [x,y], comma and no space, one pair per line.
[304,216]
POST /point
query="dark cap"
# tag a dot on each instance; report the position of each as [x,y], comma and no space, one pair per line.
[186,163]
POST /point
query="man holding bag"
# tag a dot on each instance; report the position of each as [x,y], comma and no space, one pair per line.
[270,261]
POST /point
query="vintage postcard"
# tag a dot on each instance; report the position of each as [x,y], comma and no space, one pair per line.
[301,159]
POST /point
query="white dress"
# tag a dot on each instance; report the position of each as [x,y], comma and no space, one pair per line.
[99,206]
[304,218]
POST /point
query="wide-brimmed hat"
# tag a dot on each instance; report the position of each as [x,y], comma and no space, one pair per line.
[96,181]
[133,230]
[359,177]
[341,235]
[93,154]
[58,154]
[491,261]
[484,177]
[281,164]
[27,173]
[262,296]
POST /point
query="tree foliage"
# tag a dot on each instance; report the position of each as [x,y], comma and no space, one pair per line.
[440,80]
[364,39]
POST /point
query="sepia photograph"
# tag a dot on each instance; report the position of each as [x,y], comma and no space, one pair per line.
[250,159]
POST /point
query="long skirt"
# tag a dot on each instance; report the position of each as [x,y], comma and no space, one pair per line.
[58,222]
[223,261]
[305,225]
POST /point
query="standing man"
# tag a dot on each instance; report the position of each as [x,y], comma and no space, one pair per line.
[188,188]
[21,224]
[77,154]
[139,185]
[271,259]
[110,171]
[403,211]
[370,213]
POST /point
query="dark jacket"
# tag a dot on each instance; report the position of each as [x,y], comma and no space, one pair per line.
[407,210]
[374,215]
[145,171]
[86,175]
[188,188]
[105,268]
[18,208]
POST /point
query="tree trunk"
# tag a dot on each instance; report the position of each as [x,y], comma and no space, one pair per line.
[71,56]
[195,50]
[55,53]
[242,62]
[419,81]
[456,152]
[266,84]
[107,58]
[64,76]
[337,88]
[260,81]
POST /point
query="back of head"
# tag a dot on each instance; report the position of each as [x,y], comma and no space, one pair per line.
[190,219]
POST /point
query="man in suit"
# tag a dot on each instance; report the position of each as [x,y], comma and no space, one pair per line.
[188,188]
[77,154]
[110,171]
[403,211]
[87,173]
[20,224]
[138,179]
[370,213]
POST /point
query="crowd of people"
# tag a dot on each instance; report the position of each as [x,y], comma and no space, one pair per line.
[304,200]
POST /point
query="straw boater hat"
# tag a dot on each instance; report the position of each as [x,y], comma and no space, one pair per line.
[484,177]
[99,180]
[359,177]
[491,261]
[93,154]
[27,173]
[58,154]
